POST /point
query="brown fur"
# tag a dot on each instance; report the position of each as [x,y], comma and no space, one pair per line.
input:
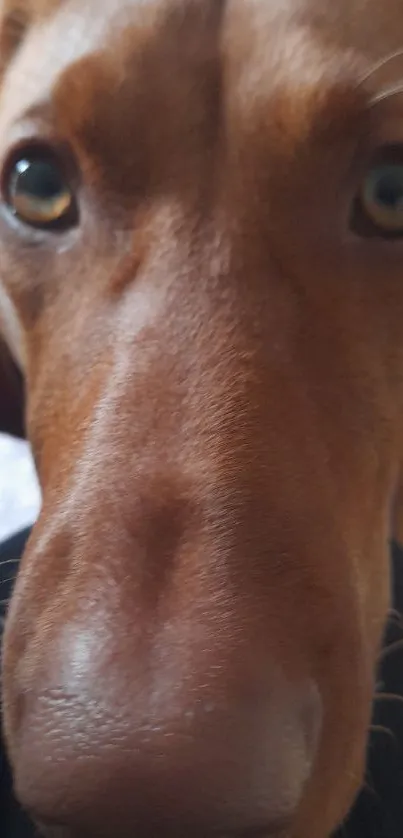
[213,367]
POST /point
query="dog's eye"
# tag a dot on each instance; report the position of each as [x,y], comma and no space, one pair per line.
[379,207]
[38,191]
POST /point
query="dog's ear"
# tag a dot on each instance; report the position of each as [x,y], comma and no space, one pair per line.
[11,395]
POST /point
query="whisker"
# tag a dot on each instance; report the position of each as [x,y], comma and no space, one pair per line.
[396,646]
[395,615]
[9,561]
[386,94]
[379,65]
[370,790]
[389,697]
[386,731]
[6,581]
[391,90]
[368,783]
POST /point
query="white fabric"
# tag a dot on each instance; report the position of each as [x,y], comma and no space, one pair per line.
[19,491]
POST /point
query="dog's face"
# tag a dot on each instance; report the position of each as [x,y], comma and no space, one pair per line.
[201,276]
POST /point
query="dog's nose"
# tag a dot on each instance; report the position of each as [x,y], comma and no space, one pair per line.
[179,744]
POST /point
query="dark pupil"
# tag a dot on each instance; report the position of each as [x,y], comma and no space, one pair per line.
[39,178]
[389,190]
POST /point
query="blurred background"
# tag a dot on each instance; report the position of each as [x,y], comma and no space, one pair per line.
[19,490]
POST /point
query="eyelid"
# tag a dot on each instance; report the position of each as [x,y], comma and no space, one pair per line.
[31,125]
[386,117]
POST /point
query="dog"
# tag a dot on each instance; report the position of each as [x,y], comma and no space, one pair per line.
[201,284]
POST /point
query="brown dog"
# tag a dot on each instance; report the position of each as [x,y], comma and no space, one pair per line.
[201,244]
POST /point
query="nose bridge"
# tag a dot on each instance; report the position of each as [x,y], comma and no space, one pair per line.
[185,464]
[179,505]
[198,431]
[171,637]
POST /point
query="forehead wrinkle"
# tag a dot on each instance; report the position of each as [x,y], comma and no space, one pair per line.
[53,44]
[300,74]
[107,102]
[280,70]
[108,62]
[301,89]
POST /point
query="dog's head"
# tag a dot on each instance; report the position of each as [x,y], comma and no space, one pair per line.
[201,245]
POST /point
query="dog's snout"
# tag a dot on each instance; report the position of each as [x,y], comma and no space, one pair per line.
[162,719]
[111,763]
